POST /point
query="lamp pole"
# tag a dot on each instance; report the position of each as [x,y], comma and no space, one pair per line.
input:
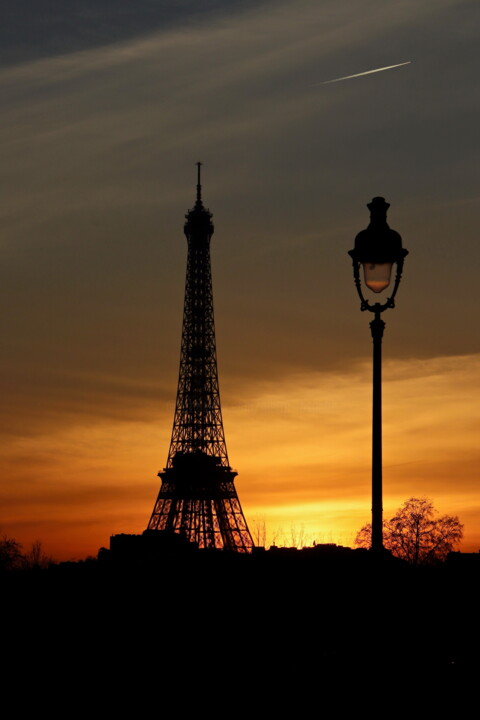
[377,248]
[377,326]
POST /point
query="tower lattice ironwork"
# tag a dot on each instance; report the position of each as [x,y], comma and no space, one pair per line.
[197,496]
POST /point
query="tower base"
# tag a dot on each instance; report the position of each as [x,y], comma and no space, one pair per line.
[198,500]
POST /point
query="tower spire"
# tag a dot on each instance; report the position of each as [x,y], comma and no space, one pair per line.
[197,496]
[199,185]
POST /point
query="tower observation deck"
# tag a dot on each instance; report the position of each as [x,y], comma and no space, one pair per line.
[197,497]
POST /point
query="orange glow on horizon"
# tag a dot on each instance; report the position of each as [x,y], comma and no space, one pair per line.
[302,450]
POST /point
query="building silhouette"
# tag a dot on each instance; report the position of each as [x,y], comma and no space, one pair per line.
[197,497]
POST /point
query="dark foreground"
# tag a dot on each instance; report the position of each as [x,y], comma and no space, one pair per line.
[281,623]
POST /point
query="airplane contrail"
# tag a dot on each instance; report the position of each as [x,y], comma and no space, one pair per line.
[367,72]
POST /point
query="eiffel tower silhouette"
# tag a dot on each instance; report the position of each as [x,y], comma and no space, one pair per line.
[197,497]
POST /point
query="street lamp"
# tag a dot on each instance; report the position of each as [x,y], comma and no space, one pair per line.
[377,249]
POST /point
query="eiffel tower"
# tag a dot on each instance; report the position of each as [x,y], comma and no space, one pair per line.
[197,497]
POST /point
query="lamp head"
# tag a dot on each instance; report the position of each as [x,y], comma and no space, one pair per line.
[378,247]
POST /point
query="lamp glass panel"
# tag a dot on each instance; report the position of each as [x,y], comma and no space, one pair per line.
[377,275]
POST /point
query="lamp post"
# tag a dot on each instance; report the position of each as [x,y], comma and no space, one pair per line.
[377,249]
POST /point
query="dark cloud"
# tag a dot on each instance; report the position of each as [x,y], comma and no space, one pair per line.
[33,29]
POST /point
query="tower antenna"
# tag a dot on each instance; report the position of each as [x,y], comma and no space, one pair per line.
[199,186]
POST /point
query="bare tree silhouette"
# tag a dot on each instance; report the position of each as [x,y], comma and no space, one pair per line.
[36,558]
[10,554]
[416,534]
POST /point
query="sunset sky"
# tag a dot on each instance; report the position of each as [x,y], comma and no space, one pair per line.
[106,108]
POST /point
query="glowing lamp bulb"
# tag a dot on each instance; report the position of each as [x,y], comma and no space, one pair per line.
[377,275]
